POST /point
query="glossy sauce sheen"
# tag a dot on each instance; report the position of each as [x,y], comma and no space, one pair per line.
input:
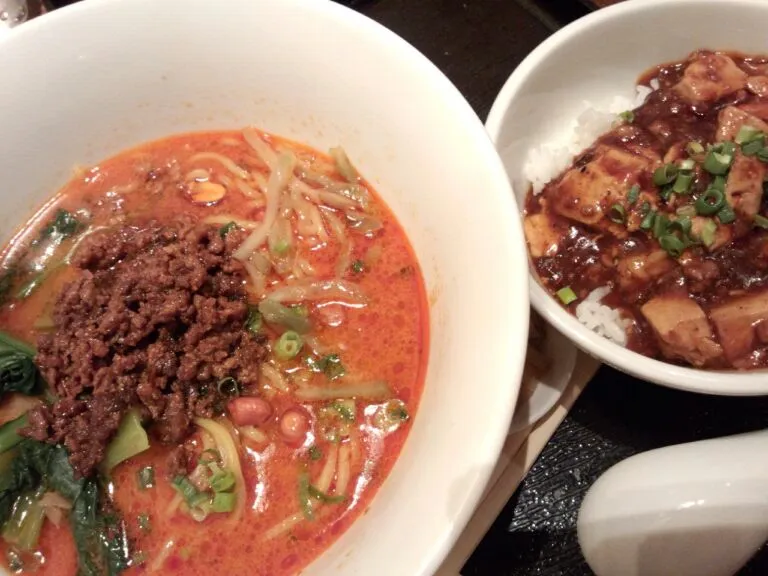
[387,339]
[587,255]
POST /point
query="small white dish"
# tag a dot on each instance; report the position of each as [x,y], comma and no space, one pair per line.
[548,388]
[595,59]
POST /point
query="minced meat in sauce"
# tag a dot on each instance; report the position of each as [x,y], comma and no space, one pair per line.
[156,319]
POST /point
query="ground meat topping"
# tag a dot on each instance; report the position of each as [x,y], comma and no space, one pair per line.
[154,319]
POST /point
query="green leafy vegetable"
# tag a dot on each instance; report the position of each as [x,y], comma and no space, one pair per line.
[330,365]
[305,498]
[317,494]
[63,225]
[227,228]
[228,387]
[9,436]
[18,372]
[315,453]
[254,321]
[275,313]
[6,283]
[130,439]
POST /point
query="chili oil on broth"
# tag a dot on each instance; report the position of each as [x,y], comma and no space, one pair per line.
[686,280]
[386,339]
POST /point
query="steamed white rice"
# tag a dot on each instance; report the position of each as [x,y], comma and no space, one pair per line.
[549,159]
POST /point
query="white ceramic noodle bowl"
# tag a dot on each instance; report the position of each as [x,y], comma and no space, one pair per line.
[97,77]
[595,59]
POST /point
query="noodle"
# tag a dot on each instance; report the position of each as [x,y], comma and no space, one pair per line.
[345,253]
[278,180]
[264,151]
[320,290]
[275,378]
[343,470]
[228,163]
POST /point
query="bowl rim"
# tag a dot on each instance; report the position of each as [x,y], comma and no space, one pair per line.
[715,382]
[509,368]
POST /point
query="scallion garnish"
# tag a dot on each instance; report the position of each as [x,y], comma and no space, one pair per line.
[747,134]
[143,522]
[763,155]
[682,183]
[567,295]
[617,213]
[673,245]
[708,233]
[315,453]
[146,477]
[660,224]
[761,221]
[688,210]
[726,215]
[221,480]
[718,183]
[223,502]
[228,387]
[305,499]
[323,497]
[687,164]
[665,174]
[710,202]
[288,345]
[717,162]
[254,321]
[753,147]
[357,267]
[647,222]
[633,194]
[227,228]
[345,411]
[628,116]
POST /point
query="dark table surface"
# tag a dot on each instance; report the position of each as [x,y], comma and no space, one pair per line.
[477,44]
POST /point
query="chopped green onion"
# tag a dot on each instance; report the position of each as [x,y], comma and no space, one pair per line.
[753,147]
[682,224]
[628,116]
[688,210]
[567,295]
[280,247]
[223,502]
[687,164]
[647,222]
[726,215]
[710,202]
[222,480]
[747,134]
[146,477]
[192,497]
[226,229]
[664,174]
[728,148]
[645,208]
[305,499]
[672,244]
[717,162]
[254,321]
[718,183]
[694,148]
[344,410]
[228,387]
[323,497]
[330,365]
[209,456]
[315,453]
[300,309]
[761,221]
[275,313]
[617,213]
[396,410]
[763,155]
[633,194]
[143,521]
[708,233]
[682,183]
[358,267]
[288,345]
[660,224]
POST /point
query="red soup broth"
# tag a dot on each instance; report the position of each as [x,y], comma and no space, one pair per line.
[386,339]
